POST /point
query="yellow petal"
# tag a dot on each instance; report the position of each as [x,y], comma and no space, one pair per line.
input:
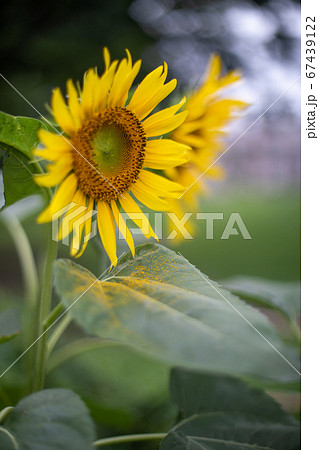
[148,198]
[56,172]
[214,68]
[151,92]
[122,82]
[127,84]
[75,248]
[158,163]
[135,213]
[163,186]
[166,147]
[119,77]
[88,96]
[61,113]
[192,140]
[120,222]
[62,198]
[50,153]
[105,222]
[72,215]
[87,230]
[164,153]
[223,109]
[230,78]
[215,172]
[73,102]
[179,212]
[107,57]
[164,121]
[57,142]
[103,88]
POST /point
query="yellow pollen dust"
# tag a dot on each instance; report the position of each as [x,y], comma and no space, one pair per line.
[109,155]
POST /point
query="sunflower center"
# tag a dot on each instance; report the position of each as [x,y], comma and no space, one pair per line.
[109,148]
[109,155]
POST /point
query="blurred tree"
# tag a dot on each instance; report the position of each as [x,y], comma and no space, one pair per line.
[44,43]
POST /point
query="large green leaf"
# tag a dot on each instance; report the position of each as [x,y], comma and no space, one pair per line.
[17,172]
[196,392]
[278,295]
[166,308]
[20,133]
[220,431]
[49,420]
[10,324]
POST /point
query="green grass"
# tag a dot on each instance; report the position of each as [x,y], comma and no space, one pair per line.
[273,221]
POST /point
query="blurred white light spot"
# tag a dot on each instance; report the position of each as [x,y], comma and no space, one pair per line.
[251,23]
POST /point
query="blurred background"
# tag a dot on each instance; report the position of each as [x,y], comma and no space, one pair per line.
[42,44]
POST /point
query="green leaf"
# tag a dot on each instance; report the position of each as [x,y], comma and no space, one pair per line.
[10,324]
[281,296]
[224,413]
[18,139]
[164,307]
[220,431]
[18,180]
[196,392]
[20,133]
[115,399]
[51,419]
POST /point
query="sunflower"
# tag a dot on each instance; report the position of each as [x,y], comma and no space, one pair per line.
[101,158]
[208,114]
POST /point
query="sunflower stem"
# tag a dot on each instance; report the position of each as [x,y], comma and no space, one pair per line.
[53,316]
[57,333]
[128,438]
[5,412]
[30,278]
[43,312]
[14,443]
[58,314]
[24,250]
